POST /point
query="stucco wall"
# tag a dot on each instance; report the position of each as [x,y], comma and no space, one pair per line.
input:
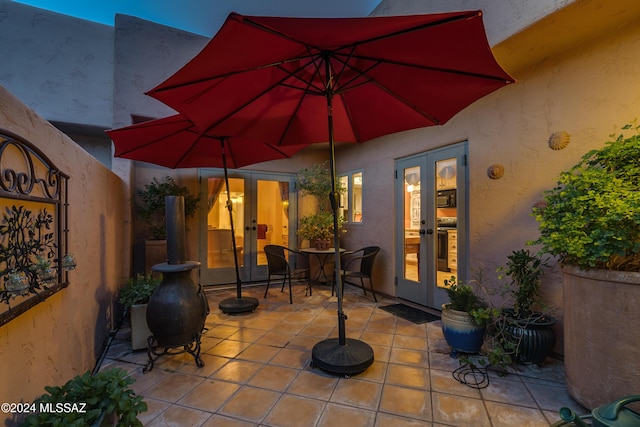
[64,335]
[502,18]
[588,90]
[61,67]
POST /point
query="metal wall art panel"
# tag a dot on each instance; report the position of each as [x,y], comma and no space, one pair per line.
[34,261]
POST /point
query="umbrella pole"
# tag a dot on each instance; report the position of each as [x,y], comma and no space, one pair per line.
[237,304]
[343,355]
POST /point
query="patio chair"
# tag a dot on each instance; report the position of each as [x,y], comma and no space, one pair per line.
[278,265]
[359,264]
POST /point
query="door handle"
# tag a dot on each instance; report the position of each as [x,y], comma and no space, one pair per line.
[427,231]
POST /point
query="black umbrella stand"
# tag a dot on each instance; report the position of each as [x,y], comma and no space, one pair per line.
[342,355]
[239,304]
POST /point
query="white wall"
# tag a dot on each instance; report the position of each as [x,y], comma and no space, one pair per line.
[61,67]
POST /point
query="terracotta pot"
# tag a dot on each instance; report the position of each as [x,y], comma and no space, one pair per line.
[323,244]
[602,342]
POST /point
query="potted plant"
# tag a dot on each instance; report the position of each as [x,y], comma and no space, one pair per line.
[150,207]
[463,332]
[531,330]
[317,228]
[135,295]
[591,222]
[90,400]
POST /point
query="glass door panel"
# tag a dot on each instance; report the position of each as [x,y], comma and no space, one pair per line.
[412,216]
[412,239]
[260,209]
[430,195]
[447,223]
[219,246]
[271,219]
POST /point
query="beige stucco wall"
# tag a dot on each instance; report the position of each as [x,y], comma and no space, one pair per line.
[65,334]
[590,89]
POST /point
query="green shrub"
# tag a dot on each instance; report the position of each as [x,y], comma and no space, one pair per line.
[150,205]
[104,393]
[138,289]
[591,219]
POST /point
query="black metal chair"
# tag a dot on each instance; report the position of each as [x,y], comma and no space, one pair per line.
[278,265]
[360,266]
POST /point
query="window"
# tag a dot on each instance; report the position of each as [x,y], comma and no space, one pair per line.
[351,196]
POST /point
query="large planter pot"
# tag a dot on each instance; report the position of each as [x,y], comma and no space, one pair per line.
[139,329]
[460,332]
[602,342]
[536,339]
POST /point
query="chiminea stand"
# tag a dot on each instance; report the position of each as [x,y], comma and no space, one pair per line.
[178,308]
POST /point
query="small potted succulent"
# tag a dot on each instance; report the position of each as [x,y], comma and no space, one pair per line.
[135,295]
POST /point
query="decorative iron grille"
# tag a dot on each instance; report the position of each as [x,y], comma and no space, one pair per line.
[34,227]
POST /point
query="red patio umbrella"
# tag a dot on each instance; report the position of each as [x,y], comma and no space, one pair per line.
[278,79]
[174,142]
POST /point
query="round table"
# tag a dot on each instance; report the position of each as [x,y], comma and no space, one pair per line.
[322,256]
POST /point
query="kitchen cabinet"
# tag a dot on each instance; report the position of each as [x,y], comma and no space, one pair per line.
[453,249]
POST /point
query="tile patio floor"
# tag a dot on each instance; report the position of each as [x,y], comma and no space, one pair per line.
[257,372]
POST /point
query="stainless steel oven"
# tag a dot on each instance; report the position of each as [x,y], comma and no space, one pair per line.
[443,249]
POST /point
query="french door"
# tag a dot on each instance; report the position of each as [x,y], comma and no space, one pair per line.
[263,207]
[431,218]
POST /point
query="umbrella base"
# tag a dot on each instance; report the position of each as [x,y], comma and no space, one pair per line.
[238,305]
[349,359]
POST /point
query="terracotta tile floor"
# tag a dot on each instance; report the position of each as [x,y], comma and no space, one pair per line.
[257,372]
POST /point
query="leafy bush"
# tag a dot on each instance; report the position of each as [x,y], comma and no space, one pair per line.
[319,226]
[139,289]
[151,204]
[525,271]
[591,219]
[463,296]
[104,393]
[315,181]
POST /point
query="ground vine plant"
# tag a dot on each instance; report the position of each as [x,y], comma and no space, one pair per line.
[591,219]
[27,248]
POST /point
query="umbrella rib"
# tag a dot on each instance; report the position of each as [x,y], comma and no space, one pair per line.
[153,141]
[223,76]
[248,102]
[248,21]
[185,152]
[473,14]
[378,61]
[304,93]
[363,73]
[469,15]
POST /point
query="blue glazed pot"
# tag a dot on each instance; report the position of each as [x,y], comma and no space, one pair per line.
[460,332]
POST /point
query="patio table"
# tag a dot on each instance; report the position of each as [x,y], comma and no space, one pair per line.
[323,255]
